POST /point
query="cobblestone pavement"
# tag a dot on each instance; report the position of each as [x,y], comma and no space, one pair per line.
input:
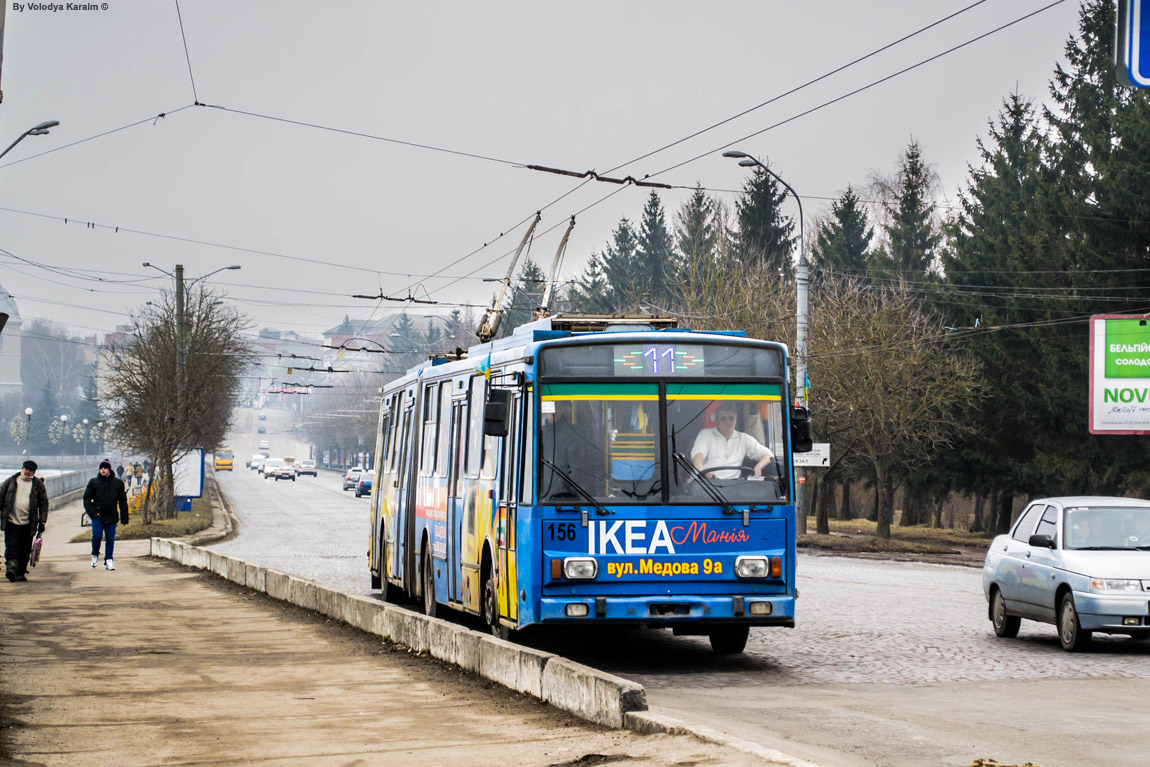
[890,663]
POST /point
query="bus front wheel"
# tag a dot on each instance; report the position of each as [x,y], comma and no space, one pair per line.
[491,601]
[729,640]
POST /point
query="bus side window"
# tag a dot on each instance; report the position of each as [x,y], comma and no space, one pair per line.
[475,426]
[527,440]
[385,430]
[511,453]
[430,432]
[458,430]
[396,417]
[404,437]
[441,459]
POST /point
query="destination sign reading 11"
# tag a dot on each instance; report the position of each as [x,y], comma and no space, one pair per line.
[659,360]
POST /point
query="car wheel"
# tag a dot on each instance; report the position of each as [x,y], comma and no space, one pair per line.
[729,640]
[1070,632]
[428,585]
[1004,625]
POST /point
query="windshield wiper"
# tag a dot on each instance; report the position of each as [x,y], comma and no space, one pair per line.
[603,510]
[705,483]
[1100,548]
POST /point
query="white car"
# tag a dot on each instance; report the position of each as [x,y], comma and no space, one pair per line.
[1080,563]
[263,444]
[271,466]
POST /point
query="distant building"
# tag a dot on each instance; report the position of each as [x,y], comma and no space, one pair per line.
[10,382]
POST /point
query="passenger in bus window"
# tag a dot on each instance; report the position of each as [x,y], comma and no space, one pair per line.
[563,446]
[725,447]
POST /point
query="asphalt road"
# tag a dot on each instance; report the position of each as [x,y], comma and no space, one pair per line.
[890,664]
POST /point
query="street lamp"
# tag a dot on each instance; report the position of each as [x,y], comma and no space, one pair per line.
[84,434]
[28,412]
[39,130]
[747,161]
[63,431]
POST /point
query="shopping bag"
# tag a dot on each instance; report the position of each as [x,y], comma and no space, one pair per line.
[36,546]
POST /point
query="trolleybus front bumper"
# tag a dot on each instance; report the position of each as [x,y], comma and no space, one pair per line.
[754,610]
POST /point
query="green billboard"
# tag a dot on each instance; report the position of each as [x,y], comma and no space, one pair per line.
[1127,349]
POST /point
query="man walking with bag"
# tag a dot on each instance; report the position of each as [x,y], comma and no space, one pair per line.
[105,501]
[23,512]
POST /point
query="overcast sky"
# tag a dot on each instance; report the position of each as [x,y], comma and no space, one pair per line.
[575,85]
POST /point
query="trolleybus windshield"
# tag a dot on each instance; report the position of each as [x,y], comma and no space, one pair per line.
[602,429]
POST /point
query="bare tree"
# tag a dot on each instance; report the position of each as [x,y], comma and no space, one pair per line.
[50,356]
[144,404]
[883,377]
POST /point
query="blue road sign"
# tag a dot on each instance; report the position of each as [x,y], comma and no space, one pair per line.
[1132,47]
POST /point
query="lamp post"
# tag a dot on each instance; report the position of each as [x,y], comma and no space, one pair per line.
[801,278]
[63,432]
[84,434]
[28,412]
[39,130]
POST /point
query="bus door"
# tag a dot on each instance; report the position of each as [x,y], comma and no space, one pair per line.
[406,552]
[455,490]
[510,467]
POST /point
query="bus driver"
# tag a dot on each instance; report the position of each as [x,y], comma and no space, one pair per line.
[723,446]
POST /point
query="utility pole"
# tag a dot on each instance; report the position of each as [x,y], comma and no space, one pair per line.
[181,341]
[801,279]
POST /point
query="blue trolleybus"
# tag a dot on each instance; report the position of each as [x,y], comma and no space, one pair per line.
[592,471]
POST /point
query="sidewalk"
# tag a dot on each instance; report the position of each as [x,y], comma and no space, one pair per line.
[154,664]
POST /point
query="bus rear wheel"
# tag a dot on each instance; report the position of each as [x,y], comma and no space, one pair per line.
[428,585]
[729,640]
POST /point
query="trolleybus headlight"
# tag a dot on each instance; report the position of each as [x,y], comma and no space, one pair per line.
[580,568]
[751,567]
[576,610]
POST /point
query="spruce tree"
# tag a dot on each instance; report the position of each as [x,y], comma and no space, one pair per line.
[695,227]
[590,294]
[655,257]
[912,232]
[525,298]
[766,236]
[842,244]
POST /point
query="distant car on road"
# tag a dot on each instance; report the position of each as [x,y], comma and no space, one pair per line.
[351,479]
[1081,563]
[271,466]
[263,444]
[363,487]
[285,471]
[256,461]
[261,430]
[263,416]
[306,467]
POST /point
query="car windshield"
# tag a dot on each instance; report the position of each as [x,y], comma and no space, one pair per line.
[1113,527]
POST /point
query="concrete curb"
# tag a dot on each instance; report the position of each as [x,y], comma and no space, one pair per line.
[580,690]
[649,723]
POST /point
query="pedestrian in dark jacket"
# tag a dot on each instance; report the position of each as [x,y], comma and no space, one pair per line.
[120,471]
[106,502]
[23,512]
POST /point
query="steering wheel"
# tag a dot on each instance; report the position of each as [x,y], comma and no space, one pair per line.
[744,471]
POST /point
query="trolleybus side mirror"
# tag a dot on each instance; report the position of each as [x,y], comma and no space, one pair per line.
[801,439]
[497,413]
